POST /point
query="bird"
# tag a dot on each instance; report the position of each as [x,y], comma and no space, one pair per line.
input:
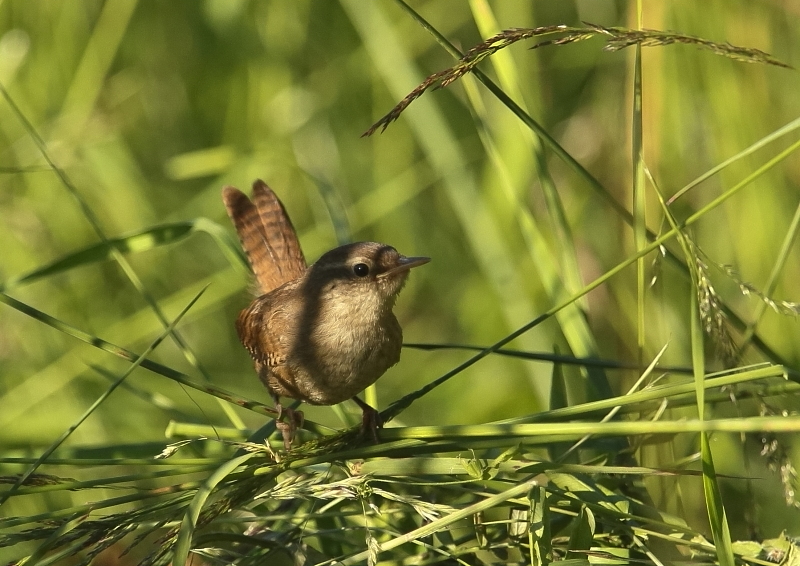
[321,333]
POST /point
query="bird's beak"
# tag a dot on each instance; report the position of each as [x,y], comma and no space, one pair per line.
[404,264]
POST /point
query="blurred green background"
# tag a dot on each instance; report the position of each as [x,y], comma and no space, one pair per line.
[151,107]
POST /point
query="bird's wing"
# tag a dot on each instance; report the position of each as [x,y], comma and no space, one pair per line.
[265,327]
[268,329]
[267,235]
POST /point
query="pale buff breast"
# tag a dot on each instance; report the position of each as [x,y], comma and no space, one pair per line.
[361,342]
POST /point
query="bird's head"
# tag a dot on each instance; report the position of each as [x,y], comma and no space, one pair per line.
[368,271]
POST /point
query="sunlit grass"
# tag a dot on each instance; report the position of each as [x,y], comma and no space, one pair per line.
[566,406]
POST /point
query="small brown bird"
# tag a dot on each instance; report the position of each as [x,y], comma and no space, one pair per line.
[319,334]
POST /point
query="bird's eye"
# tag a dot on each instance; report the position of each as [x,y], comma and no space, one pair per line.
[361,269]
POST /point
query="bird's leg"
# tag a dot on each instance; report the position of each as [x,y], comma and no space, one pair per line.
[288,427]
[371,420]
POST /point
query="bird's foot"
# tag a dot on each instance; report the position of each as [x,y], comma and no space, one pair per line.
[289,425]
[371,420]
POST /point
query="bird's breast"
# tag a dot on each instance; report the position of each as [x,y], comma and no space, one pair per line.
[346,350]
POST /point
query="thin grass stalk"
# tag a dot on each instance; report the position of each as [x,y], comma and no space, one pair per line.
[593,182]
[526,119]
[112,461]
[189,523]
[772,280]
[94,222]
[437,525]
[400,405]
[716,510]
[113,481]
[142,496]
[714,505]
[52,448]
[766,140]
[571,430]
[572,322]
[653,393]
[548,357]
[639,195]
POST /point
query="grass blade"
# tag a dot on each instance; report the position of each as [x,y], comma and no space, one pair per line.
[716,511]
[189,523]
[46,454]
[136,242]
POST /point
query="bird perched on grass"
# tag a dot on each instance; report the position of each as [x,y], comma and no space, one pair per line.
[323,333]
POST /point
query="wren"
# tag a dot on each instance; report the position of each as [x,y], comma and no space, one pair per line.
[321,333]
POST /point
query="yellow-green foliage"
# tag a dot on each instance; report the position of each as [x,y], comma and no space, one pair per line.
[120,122]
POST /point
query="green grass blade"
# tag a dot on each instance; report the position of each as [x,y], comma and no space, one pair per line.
[716,511]
[639,194]
[653,393]
[406,401]
[94,222]
[136,363]
[130,356]
[137,242]
[138,326]
[582,535]
[562,276]
[772,281]
[439,143]
[433,526]
[95,65]
[539,539]
[189,523]
[572,430]
[766,140]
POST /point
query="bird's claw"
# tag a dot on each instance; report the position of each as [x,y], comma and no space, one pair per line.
[371,421]
[288,427]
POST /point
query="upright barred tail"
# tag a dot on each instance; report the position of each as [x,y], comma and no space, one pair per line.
[266,234]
